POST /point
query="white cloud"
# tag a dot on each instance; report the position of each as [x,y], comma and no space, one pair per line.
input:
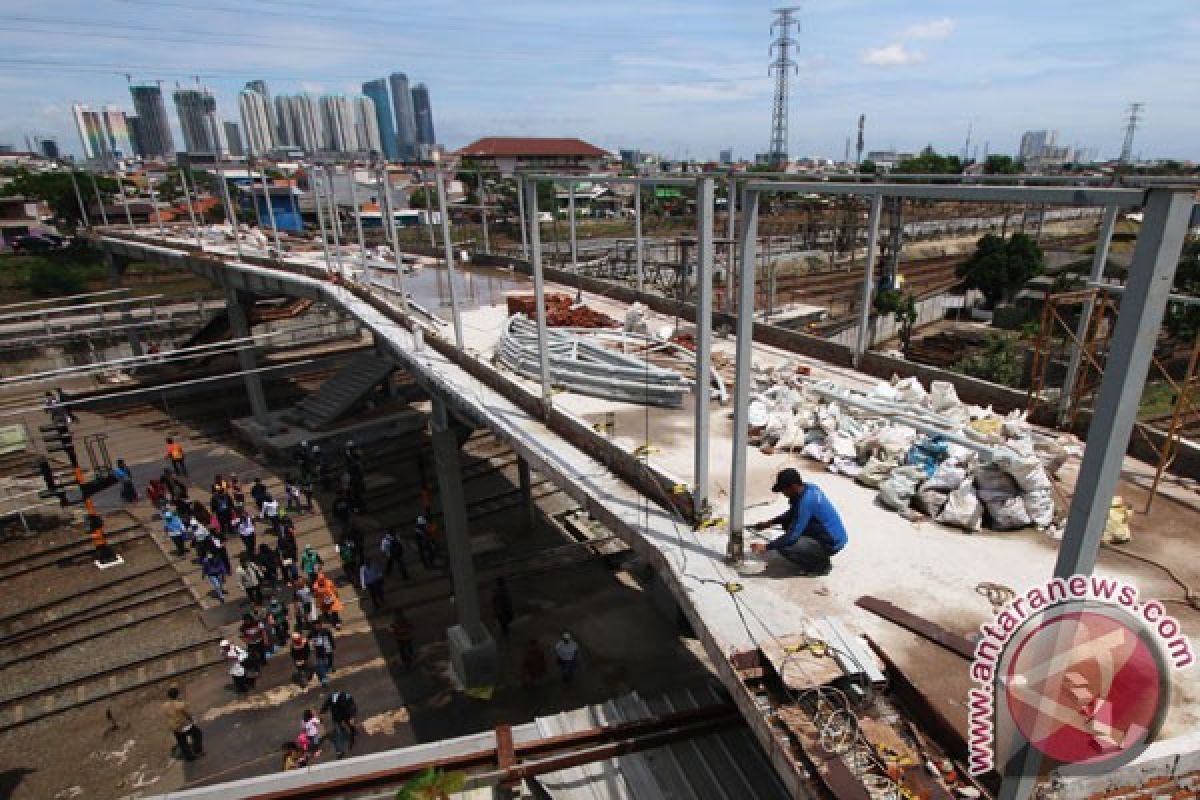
[892,55]
[933,29]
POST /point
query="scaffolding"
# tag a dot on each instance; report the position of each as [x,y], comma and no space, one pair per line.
[1058,340]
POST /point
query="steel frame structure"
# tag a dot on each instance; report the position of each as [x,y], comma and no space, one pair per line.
[1166,215]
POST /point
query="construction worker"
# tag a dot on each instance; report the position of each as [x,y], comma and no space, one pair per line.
[813,529]
[175,457]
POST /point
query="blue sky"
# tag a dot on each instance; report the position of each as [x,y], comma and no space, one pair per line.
[681,77]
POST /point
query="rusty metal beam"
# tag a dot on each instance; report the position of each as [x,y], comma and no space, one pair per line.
[959,645]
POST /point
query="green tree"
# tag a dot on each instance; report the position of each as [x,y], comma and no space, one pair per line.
[56,190]
[903,306]
[1183,321]
[417,198]
[868,167]
[432,784]
[1000,267]
[1002,165]
[929,162]
[1001,360]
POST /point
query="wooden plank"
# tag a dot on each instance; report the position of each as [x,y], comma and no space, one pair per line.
[798,666]
[959,645]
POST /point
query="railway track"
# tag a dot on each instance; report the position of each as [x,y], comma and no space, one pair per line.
[65,554]
[37,619]
[78,692]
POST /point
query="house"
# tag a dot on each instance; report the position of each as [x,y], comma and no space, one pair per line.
[509,154]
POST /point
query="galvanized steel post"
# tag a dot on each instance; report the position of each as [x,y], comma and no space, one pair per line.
[385,192]
[99,200]
[637,235]
[704,292]
[571,211]
[315,181]
[441,188]
[362,243]
[868,290]
[539,289]
[742,375]
[521,215]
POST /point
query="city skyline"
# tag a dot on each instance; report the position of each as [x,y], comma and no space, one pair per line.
[921,74]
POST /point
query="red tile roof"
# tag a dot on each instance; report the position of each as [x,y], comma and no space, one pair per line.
[512,146]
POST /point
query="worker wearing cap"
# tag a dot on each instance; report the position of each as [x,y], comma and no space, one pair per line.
[813,529]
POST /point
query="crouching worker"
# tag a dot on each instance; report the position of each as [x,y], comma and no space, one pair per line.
[813,529]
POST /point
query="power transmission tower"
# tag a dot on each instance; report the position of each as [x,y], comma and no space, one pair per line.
[781,47]
[1135,110]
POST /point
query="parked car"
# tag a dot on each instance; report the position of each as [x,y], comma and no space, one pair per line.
[33,244]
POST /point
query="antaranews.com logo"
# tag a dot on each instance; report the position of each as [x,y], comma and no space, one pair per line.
[1078,669]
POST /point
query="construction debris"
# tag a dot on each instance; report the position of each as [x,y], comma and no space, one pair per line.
[960,464]
[561,311]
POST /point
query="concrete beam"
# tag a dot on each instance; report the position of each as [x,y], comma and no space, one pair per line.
[239,323]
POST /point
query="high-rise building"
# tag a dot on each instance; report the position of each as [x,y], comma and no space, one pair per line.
[48,148]
[233,139]
[377,90]
[727,155]
[256,122]
[406,123]
[337,116]
[423,113]
[155,128]
[137,135]
[203,131]
[104,133]
[366,125]
[299,123]
[261,87]
[1033,143]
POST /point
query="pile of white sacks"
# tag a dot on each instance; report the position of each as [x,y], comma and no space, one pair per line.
[963,465]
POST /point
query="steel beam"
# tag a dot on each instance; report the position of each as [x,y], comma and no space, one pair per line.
[362,244]
[539,290]
[99,200]
[385,196]
[731,266]
[1051,195]
[83,215]
[574,241]
[459,342]
[521,215]
[335,219]
[1099,259]
[742,374]
[315,180]
[187,197]
[864,313]
[271,212]
[704,304]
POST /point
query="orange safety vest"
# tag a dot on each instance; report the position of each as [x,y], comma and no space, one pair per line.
[174,451]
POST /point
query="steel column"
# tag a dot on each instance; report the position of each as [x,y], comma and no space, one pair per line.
[637,236]
[521,216]
[525,481]
[239,323]
[864,313]
[315,180]
[487,244]
[362,242]
[271,212]
[385,193]
[704,304]
[742,375]
[187,198]
[459,342]
[539,288]
[162,231]
[335,219]
[429,218]
[79,199]
[571,211]
[454,515]
[1155,258]
[1099,260]
[99,199]
[731,266]
[230,213]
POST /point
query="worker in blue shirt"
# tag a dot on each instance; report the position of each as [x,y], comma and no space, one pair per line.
[813,529]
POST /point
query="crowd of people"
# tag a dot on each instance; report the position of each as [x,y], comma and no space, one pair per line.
[292,603]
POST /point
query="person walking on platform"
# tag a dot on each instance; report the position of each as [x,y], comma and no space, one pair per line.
[215,572]
[175,457]
[188,737]
[393,553]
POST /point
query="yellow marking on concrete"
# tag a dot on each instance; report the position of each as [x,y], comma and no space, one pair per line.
[278,695]
[385,723]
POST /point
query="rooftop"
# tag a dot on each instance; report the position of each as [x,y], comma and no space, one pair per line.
[492,146]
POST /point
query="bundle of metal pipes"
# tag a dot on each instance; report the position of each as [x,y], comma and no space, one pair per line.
[588,367]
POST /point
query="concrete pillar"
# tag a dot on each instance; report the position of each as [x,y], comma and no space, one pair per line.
[526,481]
[236,304]
[472,649]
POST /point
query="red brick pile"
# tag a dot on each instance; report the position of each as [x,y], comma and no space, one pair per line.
[559,312]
